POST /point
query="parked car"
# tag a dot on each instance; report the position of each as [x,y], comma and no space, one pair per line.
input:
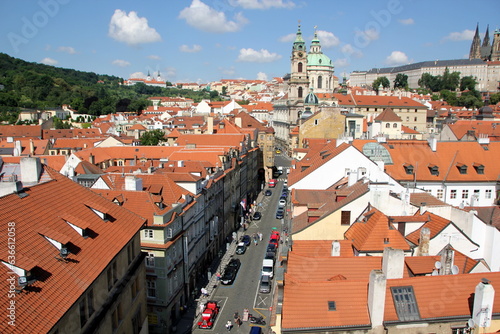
[265,284]
[257,216]
[275,237]
[230,272]
[208,315]
[241,248]
[280,213]
[271,248]
[268,192]
[270,256]
[282,203]
[246,239]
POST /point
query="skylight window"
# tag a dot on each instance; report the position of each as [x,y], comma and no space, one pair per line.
[405,303]
[332,306]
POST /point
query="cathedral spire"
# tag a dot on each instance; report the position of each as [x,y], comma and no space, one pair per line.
[475,48]
[486,40]
[299,43]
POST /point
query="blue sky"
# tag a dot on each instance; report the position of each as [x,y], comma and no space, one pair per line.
[209,40]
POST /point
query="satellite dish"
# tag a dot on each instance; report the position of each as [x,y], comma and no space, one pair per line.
[437,265]
[435,272]
[454,270]
[471,323]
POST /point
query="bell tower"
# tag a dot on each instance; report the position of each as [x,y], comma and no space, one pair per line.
[298,75]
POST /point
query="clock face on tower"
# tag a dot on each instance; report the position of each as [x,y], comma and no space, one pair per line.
[300,54]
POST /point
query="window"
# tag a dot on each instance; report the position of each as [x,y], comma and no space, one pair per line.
[90,302]
[434,170]
[460,330]
[134,288]
[415,119]
[405,303]
[386,240]
[407,118]
[151,288]
[453,194]
[320,81]
[300,92]
[476,193]
[130,252]
[487,193]
[148,234]
[115,273]
[387,125]
[479,168]
[408,169]
[345,218]
[300,67]
[395,125]
[150,260]
[462,168]
[439,194]
[465,194]
[332,306]
[316,122]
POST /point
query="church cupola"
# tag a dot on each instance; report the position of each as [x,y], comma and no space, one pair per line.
[299,44]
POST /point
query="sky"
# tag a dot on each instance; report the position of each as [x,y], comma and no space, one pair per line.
[209,40]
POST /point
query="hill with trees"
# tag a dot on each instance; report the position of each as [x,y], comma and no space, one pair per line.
[32,85]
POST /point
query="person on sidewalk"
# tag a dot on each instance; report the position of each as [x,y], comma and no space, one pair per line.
[229,325]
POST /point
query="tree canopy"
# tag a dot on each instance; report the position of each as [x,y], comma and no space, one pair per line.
[153,137]
[381,81]
[401,81]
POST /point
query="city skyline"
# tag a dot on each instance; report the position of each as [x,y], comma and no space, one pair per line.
[208,40]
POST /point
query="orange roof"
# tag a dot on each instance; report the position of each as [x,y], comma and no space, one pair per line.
[34,131]
[424,265]
[321,247]
[60,284]
[462,127]
[388,116]
[72,133]
[374,233]
[377,101]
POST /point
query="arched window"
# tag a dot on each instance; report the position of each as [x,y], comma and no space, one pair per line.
[300,92]
[300,67]
[387,125]
[320,82]
[395,125]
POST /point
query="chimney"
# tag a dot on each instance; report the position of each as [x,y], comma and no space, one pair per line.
[180,163]
[238,122]
[376,297]
[335,248]
[432,143]
[447,259]
[91,159]
[210,125]
[484,296]
[32,147]
[31,169]
[393,263]
[133,183]
[423,245]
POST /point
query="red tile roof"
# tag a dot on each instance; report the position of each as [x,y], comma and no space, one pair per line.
[388,115]
[33,131]
[59,283]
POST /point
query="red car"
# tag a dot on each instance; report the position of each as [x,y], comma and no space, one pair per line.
[209,314]
[275,238]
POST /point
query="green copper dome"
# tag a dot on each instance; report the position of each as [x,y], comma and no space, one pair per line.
[311,98]
[319,59]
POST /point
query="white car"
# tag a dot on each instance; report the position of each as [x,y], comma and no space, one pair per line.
[282,203]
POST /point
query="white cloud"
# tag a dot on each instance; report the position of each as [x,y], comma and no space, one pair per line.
[349,50]
[397,58]
[67,49]
[49,61]
[193,49]
[131,29]
[465,35]
[137,75]
[254,56]
[288,38]
[262,4]
[154,57]
[262,76]
[371,34]
[120,63]
[205,18]
[170,72]
[328,39]
[229,72]
[343,62]
[408,21]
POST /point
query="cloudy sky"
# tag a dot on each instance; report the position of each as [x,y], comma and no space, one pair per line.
[208,40]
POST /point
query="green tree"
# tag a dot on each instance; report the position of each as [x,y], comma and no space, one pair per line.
[494,98]
[401,81]
[468,83]
[449,96]
[152,138]
[449,80]
[224,90]
[381,82]
[470,99]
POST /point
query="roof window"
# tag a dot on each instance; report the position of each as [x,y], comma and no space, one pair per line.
[479,168]
[408,168]
[462,168]
[332,306]
[405,303]
[434,170]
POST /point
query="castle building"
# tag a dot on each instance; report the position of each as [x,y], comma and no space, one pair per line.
[485,51]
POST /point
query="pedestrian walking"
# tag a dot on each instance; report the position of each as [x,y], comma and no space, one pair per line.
[260,236]
[238,321]
[229,325]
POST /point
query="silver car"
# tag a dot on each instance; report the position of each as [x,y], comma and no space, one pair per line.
[265,284]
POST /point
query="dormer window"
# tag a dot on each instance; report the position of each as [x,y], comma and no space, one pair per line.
[408,169]
[434,170]
[479,168]
[462,168]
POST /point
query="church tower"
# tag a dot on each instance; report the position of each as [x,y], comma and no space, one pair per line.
[299,81]
[486,40]
[475,48]
[495,48]
[319,68]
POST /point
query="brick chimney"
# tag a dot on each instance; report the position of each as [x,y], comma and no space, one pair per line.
[133,183]
[210,125]
[376,297]
[393,262]
[31,169]
[423,245]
